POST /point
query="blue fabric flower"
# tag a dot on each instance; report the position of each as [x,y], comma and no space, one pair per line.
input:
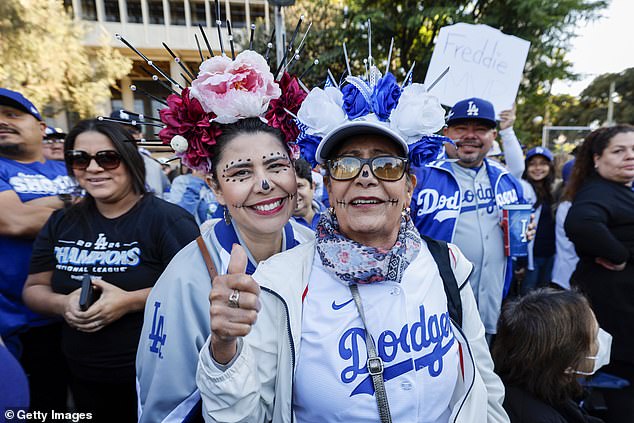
[308,146]
[354,104]
[385,96]
[427,149]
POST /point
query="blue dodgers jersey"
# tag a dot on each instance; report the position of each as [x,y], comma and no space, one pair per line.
[29,181]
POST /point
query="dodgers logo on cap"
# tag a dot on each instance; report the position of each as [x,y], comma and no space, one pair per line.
[472,108]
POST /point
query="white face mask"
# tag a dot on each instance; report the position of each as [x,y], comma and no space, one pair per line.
[602,358]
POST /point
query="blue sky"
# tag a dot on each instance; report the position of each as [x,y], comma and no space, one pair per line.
[602,46]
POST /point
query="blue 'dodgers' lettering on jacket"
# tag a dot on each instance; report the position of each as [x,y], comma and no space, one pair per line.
[434,330]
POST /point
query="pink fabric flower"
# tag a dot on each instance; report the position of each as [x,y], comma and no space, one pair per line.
[235,89]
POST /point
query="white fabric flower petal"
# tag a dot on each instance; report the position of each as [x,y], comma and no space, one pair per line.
[418,113]
[322,111]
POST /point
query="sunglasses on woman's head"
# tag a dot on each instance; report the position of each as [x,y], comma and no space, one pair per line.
[80,160]
[385,168]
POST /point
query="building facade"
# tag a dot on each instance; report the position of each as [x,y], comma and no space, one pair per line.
[146,24]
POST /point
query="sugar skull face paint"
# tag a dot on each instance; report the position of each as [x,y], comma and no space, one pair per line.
[256,182]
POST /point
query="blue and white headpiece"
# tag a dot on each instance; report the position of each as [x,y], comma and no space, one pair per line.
[376,104]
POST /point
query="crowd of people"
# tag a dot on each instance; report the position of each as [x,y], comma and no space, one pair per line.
[329,257]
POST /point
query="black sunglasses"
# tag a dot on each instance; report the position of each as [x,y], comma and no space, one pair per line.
[80,160]
[385,168]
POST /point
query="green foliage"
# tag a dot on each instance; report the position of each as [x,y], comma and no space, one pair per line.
[592,105]
[548,25]
[43,57]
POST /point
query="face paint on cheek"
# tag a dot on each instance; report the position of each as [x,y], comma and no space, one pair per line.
[341,203]
[393,201]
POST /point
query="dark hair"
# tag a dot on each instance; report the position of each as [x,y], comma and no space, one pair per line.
[539,338]
[231,131]
[123,144]
[303,170]
[594,144]
[543,189]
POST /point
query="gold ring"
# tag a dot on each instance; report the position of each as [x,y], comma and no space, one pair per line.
[234,299]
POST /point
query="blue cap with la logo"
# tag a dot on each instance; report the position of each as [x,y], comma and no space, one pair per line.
[18,101]
[472,109]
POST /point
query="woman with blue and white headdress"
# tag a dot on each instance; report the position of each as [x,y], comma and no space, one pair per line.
[369,321]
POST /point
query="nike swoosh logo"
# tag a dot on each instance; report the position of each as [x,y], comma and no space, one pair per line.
[340,306]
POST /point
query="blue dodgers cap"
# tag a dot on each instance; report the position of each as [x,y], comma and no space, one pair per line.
[472,109]
[18,101]
[54,133]
[539,151]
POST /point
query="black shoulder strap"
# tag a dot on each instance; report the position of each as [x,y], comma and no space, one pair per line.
[440,252]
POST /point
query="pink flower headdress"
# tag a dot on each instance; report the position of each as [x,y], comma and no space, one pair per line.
[225,91]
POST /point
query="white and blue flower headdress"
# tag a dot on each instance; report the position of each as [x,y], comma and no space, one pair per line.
[409,115]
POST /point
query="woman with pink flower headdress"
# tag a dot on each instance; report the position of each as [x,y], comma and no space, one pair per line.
[233,124]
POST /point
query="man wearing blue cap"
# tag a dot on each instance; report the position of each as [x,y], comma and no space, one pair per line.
[53,144]
[30,187]
[461,200]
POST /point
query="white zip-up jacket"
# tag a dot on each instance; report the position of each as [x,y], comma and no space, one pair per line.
[257,385]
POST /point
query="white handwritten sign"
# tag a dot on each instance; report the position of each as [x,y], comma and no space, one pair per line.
[483,62]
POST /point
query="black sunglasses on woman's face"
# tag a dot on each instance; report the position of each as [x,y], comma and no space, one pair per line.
[80,160]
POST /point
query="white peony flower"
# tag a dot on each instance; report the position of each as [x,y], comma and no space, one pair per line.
[418,113]
[322,111]
[179,144]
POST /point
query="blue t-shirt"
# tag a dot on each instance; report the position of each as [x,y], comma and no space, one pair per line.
[29,181]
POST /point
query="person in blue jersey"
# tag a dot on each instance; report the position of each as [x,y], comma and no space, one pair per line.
[461,201]
[122,238]
[31,189]
[355,325]
[308,210]
[248,162]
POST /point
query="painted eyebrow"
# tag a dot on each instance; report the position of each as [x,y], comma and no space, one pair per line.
[239,166]
[274,159]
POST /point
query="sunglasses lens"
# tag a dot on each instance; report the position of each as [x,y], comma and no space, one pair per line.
[344,168]
[77,159]
[108,160]
[388,168]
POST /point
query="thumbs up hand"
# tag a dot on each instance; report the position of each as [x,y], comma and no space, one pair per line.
[235,302]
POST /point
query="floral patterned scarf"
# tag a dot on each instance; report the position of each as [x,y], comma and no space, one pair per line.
[352,262]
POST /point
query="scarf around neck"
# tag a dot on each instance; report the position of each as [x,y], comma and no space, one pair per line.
[352,262]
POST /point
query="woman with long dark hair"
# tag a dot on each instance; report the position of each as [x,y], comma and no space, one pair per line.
[600,224]
[122,239]
[540,174]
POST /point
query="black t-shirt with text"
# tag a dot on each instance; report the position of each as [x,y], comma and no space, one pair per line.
[130,251]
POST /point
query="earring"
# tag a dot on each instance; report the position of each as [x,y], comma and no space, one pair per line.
[226,216]
[406,213]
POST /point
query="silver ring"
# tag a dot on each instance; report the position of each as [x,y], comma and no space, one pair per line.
[234,299]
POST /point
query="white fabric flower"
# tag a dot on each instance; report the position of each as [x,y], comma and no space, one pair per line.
[322,111]
[179,144]
[418,113]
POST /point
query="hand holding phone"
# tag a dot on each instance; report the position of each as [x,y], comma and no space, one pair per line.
[87,295]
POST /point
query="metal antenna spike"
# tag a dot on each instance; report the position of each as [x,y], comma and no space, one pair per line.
[252,36]
[145,93]
[202,31]
[200,52]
